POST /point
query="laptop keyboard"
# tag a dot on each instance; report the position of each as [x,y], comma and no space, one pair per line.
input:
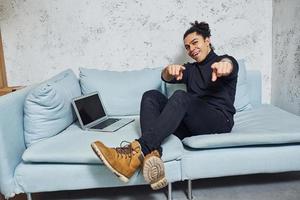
[105,123]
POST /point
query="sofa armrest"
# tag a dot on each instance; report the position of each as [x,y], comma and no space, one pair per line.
[12,143]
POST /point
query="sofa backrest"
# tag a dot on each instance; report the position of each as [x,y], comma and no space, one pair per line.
[121,92]
[254,84]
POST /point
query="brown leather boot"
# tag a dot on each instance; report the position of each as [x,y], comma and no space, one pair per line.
[154,171]
[122,161]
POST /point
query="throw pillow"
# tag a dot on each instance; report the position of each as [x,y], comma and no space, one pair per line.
[48,109]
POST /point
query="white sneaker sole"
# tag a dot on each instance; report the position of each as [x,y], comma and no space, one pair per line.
[154,173]
[100,155]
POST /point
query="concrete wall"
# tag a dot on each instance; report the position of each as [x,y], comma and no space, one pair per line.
[286,55]
[41,38]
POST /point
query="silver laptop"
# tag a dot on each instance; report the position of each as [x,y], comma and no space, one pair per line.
[92,115]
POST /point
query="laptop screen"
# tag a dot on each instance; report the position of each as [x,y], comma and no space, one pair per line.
[90,108]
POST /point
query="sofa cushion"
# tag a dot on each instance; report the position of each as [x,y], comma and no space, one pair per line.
[254,87]
[73,145]
[240,161]
[47,108]
[242,100]
[263,125]
[121,92]
[43,177]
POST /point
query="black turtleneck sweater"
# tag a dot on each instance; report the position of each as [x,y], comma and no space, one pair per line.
[219,94]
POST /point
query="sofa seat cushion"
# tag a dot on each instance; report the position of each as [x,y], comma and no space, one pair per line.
[73,145]
[222,162]
[33,177]
[263,125]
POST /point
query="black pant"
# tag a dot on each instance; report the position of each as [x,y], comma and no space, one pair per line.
[182,114]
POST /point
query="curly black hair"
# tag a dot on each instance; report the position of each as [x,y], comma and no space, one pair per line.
[201,28]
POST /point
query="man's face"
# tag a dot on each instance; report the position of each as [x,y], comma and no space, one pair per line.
[197,47]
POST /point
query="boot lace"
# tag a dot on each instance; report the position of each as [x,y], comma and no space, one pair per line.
[125,149]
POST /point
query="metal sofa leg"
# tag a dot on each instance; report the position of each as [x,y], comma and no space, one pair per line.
[29,196]
[170,191]
[190,195]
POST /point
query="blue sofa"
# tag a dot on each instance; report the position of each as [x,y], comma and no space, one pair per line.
[42,147]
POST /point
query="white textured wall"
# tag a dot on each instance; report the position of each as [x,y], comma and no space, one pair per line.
[43,37]
[286,55]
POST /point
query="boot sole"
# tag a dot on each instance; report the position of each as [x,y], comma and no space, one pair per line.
[159,184]
[100,155]
[154,173]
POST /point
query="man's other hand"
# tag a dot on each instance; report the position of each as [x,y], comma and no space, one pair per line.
[222,68]
[175,71]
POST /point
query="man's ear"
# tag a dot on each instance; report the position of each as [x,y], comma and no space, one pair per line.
[207,40]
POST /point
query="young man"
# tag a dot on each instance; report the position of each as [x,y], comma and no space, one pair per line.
[206,107]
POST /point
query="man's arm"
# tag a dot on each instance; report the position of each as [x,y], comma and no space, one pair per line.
[226,60]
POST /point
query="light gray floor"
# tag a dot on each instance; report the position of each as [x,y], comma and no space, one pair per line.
[284,186]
